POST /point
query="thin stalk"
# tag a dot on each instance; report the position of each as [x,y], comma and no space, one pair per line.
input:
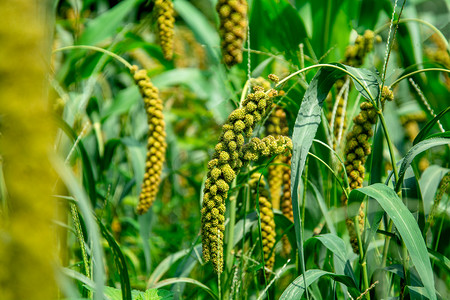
[386,244]
[429,25]
[417,72]
[361,256]
[390,145]
[372,100]
[107,52]
[345,190]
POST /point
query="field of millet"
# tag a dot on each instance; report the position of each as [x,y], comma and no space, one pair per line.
[224,149]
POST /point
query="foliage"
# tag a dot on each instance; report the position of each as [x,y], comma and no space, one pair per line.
[400,216]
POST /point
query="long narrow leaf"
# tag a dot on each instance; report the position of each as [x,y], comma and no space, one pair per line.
[407,227]
[419,148]
[297,288]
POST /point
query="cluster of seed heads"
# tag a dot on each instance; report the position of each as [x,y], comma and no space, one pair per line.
[355,54]
[156,145]
[357,150]
[223,168]
[165,21]
[268,146]
[258,186]
[233,28]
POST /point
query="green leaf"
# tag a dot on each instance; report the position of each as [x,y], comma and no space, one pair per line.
[285,37]
[119,260]
[93,234]
[406,226]
[88,173]
[419,148]
[202,29]
[296,289]
[171,281]
[167,263]
[337,246]
[427,128]
[309,118]
[440,259]
[429,182]
[154,294]
[107,23]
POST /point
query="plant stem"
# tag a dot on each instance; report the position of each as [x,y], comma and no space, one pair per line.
[361,257]
[386,244]
[113,55]
[390,145]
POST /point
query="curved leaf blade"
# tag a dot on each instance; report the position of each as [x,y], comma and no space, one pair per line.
[427,128]
[185,280]
[297,288]
[444,138]
[406,226]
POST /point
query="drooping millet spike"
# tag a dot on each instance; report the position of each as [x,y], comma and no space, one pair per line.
[233,29]
[258,186]
[223,169]
[356,152]
[286,203]
[276,125]
[156,144]
[165,21]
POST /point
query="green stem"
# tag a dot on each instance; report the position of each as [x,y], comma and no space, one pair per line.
[361,257]
[417,72]
[431,26]
[113,55]
[386,244]
[390,145]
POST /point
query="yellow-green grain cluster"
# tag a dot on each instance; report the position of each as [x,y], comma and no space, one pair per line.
[232,30]
[267,146]
[355,54]
[276,125]
[156,144]
[165,21]
[286,204]
[267,221]
[223,168]
[356,152]
[188,52]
